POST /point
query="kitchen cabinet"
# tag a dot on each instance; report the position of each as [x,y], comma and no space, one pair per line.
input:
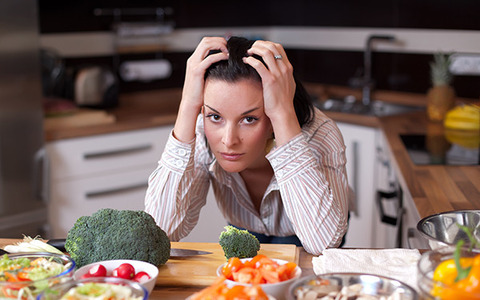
[366,170]
[407,215]
[101,171]
[111,171]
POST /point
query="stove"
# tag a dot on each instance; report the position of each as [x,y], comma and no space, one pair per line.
[437,150]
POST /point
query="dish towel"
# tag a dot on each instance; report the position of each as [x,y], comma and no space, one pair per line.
[397,263]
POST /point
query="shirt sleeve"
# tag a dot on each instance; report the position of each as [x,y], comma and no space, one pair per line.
[177,189]
[311,174]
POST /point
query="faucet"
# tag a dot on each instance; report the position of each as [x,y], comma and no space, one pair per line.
[367,66]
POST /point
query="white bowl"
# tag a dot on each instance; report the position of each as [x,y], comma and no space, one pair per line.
[110,265]
[276,290]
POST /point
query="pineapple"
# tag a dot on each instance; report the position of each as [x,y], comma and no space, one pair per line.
[441,97]
[440,70]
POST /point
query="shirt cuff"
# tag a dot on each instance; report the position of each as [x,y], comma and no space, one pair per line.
[177,154]
[290,158]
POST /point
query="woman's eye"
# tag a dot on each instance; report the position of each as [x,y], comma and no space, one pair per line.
[250,120]
[214,117]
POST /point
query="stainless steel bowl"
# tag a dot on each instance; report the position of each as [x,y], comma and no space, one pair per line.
[442,230]
[368,284]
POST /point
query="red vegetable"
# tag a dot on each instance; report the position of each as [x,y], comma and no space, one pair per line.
[141,277]
[97,270]
[125,271]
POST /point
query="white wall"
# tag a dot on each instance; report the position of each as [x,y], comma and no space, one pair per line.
[332,38]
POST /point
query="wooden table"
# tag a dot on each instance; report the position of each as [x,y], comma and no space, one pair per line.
[181,292]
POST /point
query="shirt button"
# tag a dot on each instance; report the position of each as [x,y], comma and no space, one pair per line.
[280,172]
[182,152]
[179,163]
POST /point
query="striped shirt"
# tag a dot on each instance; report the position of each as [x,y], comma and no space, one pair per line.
[307,196]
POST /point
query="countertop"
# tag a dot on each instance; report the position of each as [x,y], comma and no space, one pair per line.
[433,188]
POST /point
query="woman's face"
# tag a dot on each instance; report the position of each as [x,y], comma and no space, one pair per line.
[236,126]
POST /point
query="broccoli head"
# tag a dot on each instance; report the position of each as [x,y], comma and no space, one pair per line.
[117,234]
[238,243]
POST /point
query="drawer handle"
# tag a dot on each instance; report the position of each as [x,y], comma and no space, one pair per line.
[92,195]
[392,220]
[95,155]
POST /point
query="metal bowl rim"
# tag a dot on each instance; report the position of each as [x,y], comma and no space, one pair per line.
[354,274]
[425,219]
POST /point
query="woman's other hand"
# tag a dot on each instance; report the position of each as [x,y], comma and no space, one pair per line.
[192,95]
[278,88]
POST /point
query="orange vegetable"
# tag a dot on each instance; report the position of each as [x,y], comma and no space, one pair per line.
[219,291]
[260,269]
[231,266]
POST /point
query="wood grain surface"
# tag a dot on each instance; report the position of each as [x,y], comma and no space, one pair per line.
[201,270]
[434,188]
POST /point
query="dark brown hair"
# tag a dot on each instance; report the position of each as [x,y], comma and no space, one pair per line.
[234,69]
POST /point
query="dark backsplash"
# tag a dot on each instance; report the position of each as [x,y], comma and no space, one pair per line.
[392,71]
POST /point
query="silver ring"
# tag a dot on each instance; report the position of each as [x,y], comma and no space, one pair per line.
[278,57]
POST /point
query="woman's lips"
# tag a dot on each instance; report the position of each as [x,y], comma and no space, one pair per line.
[231,156]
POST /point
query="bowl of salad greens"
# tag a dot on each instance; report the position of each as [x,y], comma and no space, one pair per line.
[112,288]
[26,275]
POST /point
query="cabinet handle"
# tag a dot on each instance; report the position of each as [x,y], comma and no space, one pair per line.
[102,154]
[41,175]
[410,235]
[387,196]
[392,220]
[355,161]
[92,195]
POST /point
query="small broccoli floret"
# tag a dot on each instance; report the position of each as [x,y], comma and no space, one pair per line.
[238,243]
[117,234]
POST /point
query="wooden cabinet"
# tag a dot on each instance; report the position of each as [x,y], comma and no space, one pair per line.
[111,171]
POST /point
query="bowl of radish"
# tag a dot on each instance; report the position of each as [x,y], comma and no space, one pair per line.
[135,270]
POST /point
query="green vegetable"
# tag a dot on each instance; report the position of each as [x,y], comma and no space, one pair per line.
[117,234]
[238,243]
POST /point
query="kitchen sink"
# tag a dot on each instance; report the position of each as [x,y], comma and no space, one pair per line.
[376,108]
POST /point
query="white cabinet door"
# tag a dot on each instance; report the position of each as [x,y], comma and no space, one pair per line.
[360,152]
[78,157]
[72,199]
[366,172]
[411,237]
[103,171]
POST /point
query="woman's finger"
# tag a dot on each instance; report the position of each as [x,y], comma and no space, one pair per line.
[208,44]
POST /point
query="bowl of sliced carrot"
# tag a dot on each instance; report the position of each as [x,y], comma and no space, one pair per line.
[273,276]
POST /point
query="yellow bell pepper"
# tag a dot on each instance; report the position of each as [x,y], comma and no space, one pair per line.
[446,273]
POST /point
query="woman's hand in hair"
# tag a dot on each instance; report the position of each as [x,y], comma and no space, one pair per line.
[278,88]
[192,95]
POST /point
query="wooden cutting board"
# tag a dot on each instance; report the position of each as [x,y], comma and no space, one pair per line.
[201,270]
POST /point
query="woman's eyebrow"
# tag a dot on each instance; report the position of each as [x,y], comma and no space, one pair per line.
[244,113]
[212,109]
[249,111]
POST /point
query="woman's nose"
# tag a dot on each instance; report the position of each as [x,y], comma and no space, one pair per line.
[230,136]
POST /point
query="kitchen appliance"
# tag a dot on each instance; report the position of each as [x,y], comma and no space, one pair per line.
[438,150]
[96,87]
[22,161]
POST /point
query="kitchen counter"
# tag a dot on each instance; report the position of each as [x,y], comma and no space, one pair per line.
[433,188]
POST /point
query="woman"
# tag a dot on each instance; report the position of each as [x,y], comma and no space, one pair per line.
[276,164]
